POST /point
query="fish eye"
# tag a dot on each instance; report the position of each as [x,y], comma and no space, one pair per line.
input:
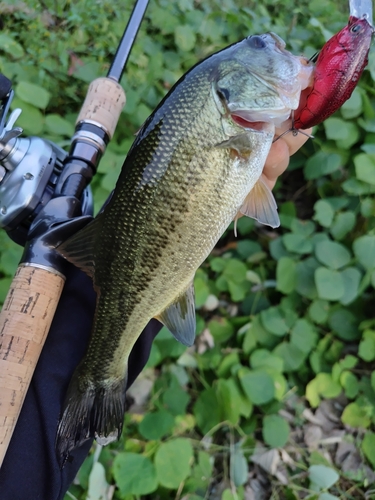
[256,42]
[355,28]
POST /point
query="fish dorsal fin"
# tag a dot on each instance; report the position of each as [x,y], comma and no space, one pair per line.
[261,205]
[79,248]
[179,317]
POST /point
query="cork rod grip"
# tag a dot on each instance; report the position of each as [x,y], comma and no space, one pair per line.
[104,102]
[24,324]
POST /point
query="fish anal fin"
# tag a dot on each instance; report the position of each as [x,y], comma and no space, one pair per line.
[79,248]
[261,205]
[179,317]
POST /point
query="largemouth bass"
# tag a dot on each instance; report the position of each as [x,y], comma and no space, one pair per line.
[190,170]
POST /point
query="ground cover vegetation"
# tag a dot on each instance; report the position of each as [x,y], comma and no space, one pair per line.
[277,397]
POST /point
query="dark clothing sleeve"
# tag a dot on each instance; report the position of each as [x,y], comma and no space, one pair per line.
[30,469]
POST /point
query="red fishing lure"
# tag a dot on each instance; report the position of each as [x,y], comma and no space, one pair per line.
[338,68]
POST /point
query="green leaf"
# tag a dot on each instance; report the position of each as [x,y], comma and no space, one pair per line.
[258,386]
[292,356]
[364,250]
[185,37]
[297,243]
[306,278]
[168,347]
[345,133]
[230,400]
[318,311]
[4,288]
[218,264]
[303,336]
[275,431]
[322,163]
[303,227]
[350,384]
[207,410]
[235,270]
[312,393]
[221,329]
[366,349]
[277,249]
[156,425]
[332,254]
[172,462]
[353,106]
[155,356]
[355,415]
[344,324]
[31,119]
[59,126]
[322,477]
[175,400]
[368,447]
[253,277]
[88,71]
[262,358]
[373,381]
[324,213]
[329,284]
[201,291]
[322,385]
[344,222]
[327,496]
[349,362]
[286,275]
[246,248]
[273,321]
[33,94]
[351,278]
[239,470]
[10,46]
[134,474]
[365,167]
[357,188]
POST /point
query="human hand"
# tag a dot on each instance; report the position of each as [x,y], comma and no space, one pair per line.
[260,204]
[281,151]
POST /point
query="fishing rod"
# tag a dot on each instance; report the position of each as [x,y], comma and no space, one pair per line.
[44,198]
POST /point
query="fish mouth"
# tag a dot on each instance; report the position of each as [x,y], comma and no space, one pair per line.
[253,125]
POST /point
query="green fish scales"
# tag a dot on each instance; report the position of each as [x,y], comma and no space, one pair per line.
[188,173]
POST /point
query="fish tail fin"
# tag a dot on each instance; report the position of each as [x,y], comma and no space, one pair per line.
[93,411]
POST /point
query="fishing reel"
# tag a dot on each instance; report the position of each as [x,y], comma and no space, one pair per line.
[30,172]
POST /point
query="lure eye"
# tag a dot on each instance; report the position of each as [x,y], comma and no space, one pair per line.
[356,28]
[256,42]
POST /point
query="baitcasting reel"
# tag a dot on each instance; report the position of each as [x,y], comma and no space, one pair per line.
[30,168]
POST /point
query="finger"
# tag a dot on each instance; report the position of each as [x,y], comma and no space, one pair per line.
[277,162]
[280,152]
[294,142]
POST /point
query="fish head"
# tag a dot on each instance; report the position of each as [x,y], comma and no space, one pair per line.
[261,82]
[357,35]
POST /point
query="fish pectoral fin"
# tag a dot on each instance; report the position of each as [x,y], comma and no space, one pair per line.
[241,144]
[261,205]
[179,317]
[79,248]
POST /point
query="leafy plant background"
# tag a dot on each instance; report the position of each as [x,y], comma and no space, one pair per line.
[277,397]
